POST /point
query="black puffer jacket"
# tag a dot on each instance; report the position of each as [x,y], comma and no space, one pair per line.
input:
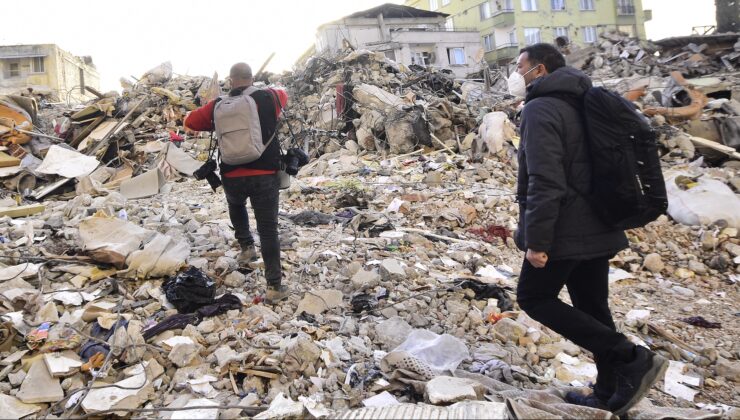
[553,159]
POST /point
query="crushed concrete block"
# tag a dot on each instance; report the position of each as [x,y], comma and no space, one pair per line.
[317,302]
[392,270]
[12,408]
[39,386]
[447,390]
[392,332]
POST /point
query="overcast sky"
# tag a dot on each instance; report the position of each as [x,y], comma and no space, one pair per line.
[126,38]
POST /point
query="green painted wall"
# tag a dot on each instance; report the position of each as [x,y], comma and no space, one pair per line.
[466,14]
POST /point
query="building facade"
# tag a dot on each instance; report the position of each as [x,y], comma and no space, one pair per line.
[505,26]
[47,69]
[405,35]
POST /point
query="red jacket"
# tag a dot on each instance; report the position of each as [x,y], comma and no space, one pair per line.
[201,119]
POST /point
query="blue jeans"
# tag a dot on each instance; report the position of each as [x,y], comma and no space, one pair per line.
[263,193]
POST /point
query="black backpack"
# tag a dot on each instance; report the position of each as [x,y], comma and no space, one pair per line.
[628,189]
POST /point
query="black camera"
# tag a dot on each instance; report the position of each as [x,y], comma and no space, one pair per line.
[293,160]
[208,172]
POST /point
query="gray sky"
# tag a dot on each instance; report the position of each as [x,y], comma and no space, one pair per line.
[126,38]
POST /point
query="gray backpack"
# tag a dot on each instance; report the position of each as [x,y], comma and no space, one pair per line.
[238,128]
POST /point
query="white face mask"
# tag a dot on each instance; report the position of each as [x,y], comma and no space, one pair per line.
[517,85]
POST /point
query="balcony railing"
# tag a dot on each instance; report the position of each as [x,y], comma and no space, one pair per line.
[502,11]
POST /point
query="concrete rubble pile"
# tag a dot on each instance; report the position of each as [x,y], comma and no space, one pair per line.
[617,55]
[125,298]
[381,106]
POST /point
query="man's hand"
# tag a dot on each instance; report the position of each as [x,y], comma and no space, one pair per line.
[537,259]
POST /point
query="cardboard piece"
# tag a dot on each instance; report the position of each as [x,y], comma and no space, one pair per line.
[180,160]
[144,185]
[67,163]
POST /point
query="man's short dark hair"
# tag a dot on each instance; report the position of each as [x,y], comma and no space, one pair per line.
[546,54]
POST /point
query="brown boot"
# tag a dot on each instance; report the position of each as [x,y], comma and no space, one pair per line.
[275,294]
[248,254]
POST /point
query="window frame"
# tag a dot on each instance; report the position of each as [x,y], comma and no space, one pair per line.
[590,30]
[583,5]
[489,45]
[481,7]
[526,37]
[17,69]
[34,69]
[433,5]
[563,2]
[556,34]
[450,55]
[532,3]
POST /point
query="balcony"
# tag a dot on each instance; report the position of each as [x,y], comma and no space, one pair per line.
[506,52]
[503,18]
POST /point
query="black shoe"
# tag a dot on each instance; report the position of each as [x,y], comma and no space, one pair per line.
[590,400]
[606,380]
[634,379]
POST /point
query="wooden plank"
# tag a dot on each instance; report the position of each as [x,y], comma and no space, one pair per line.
[22,211]
[6,160]
[729,151]
[86,132]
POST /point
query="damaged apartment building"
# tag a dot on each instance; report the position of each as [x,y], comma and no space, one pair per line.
[505,26]
[49,71]
[405,35]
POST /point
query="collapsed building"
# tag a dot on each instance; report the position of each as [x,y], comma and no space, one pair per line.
[121,294]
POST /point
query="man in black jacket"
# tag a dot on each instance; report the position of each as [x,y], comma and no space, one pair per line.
[564,240]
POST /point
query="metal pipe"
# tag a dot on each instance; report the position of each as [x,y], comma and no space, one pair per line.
[33,133]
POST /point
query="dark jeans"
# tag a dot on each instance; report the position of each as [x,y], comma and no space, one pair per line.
[588,322]
[263,193]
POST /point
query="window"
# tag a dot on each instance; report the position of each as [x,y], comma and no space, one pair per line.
[561,31]
[504,5]
[15,70]
[512,38]
[531,35]
[37,65]
[557,5]
[589,34]
[457,56]
[485,10]
[421,58]
[449,24]
[529,5]
[488,42]
[625,7]
[445,2]
[433,4]
[587,5]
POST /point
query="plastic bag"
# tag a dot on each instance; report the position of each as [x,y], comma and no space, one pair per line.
[440,352]
[703,204]
[190,290]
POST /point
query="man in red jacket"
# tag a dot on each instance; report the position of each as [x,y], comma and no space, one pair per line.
[256,180]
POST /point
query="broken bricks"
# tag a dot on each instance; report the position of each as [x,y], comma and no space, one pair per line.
[407,217]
